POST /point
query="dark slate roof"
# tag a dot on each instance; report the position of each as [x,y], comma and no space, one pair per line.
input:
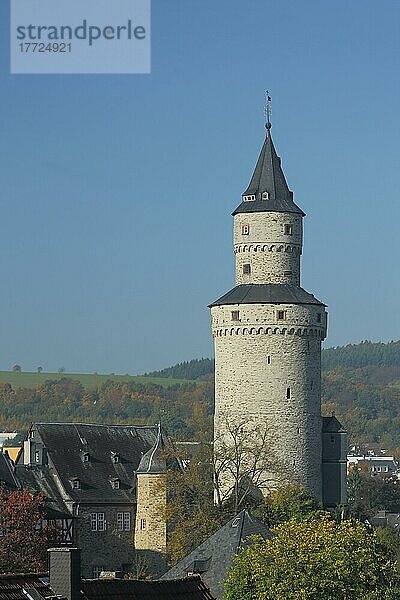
[268,177]
[66,443]
[267,293]
[154,461]
[214,556]
[332,425]
[7,473]
[12,586]
[38,478]
[188,588]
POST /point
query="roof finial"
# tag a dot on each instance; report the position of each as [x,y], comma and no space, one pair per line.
[267,109]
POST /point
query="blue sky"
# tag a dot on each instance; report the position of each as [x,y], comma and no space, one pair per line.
[117,189]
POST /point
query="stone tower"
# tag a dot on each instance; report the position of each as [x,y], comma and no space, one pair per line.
[150,540]
[268,330]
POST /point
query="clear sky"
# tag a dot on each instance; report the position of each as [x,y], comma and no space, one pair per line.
[117,190]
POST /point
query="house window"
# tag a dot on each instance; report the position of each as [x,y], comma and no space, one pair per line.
[281,315]
[268,360]
[143,524]
[288,229]
[246,269]
[127,521]
[235,315]
[97,521]
[288,393]
[245,229]
[123,521]
[97,571]
[319,317]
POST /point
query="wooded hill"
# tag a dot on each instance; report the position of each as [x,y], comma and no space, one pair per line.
[360,383]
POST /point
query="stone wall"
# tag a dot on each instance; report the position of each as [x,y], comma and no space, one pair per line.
[151,529]
[262,240]
[110,548]
[270,370]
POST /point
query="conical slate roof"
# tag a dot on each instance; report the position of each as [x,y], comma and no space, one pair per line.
[213,557]
[266,293]
[268,177]
[154,461]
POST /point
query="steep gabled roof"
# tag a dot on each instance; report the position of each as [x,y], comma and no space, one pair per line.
[214,556]
[113,452]
[266,293]
[332,425]
[268,177]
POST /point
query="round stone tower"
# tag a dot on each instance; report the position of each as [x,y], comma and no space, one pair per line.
[268,330]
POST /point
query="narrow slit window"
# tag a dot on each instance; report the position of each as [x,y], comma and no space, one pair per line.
[268,360]
[288,393]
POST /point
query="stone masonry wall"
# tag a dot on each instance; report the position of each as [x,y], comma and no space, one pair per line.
[258,359]
[110,548]
[261,240]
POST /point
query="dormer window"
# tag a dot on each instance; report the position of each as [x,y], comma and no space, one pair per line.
[115,484]
[86,457]
[265,195]
[76,483]
[249,198]
[115,457]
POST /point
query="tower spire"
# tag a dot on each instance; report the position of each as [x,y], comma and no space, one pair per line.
[268,110]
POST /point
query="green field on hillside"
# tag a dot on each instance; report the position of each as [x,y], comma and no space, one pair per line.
[88,380]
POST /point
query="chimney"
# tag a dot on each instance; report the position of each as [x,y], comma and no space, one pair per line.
[65,572]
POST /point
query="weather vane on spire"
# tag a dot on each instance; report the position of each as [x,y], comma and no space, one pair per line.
[267,109]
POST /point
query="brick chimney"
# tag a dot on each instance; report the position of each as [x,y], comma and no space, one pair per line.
[65,572]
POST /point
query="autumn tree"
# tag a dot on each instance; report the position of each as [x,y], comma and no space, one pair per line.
[214,483]
[23,543]
[367,495]
[291,501]
[314,559]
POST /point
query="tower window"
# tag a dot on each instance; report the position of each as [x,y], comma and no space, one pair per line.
[246,269]
[268,360]
[143,524]
[288,393]
[288,229]
[245,229]
[332,439]
[281,315]
[235,315]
